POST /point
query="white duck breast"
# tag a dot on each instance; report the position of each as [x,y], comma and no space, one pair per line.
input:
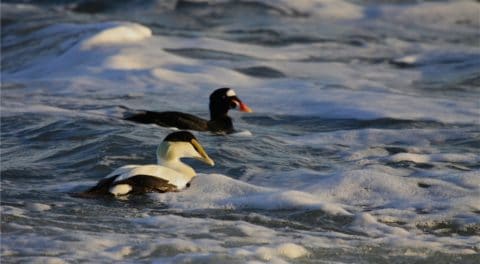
[172,177]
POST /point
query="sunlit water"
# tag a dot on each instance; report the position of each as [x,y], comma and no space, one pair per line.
[363,145]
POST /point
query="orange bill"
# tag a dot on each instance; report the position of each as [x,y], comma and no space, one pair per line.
[243,107]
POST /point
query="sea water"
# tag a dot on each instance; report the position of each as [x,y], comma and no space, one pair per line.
[363,145]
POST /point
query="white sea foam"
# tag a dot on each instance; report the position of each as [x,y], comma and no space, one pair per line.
[394,194]
[124,60]
[399,237]
[424,158]
[288,250]
[11,210]
[373,137]
[116,55]
[367,224]
[38,207]
[122,33]
[328,9]
[243,133]
[436,15]
[278,248]
[323,8]
[219,191]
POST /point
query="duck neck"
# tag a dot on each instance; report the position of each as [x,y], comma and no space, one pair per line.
[179,166]
[218,111]
[166,158]
[214,117]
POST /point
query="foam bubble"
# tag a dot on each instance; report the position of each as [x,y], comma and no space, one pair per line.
[38,207]
[244,133]
[418,158]
[178,245]
[434,14]
[291,250]
[12,210]
[219,191]
[328,9]
[425,158]
[49,260]
[367,224]
[117,33]
[411,59]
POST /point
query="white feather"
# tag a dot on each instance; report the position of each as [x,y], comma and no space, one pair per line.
[120,189]
[173,177]
[231,93]
[169,167]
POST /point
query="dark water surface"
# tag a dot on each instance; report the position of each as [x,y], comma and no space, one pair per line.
[362,148]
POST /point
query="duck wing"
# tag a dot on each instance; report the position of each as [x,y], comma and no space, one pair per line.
[221,125]
[140,184]
[139,179]
[170,119]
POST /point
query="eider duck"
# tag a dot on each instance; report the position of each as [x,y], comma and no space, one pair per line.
[221,100]
[170,174]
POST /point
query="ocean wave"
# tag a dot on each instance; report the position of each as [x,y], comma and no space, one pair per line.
[362,144]
[218,191]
